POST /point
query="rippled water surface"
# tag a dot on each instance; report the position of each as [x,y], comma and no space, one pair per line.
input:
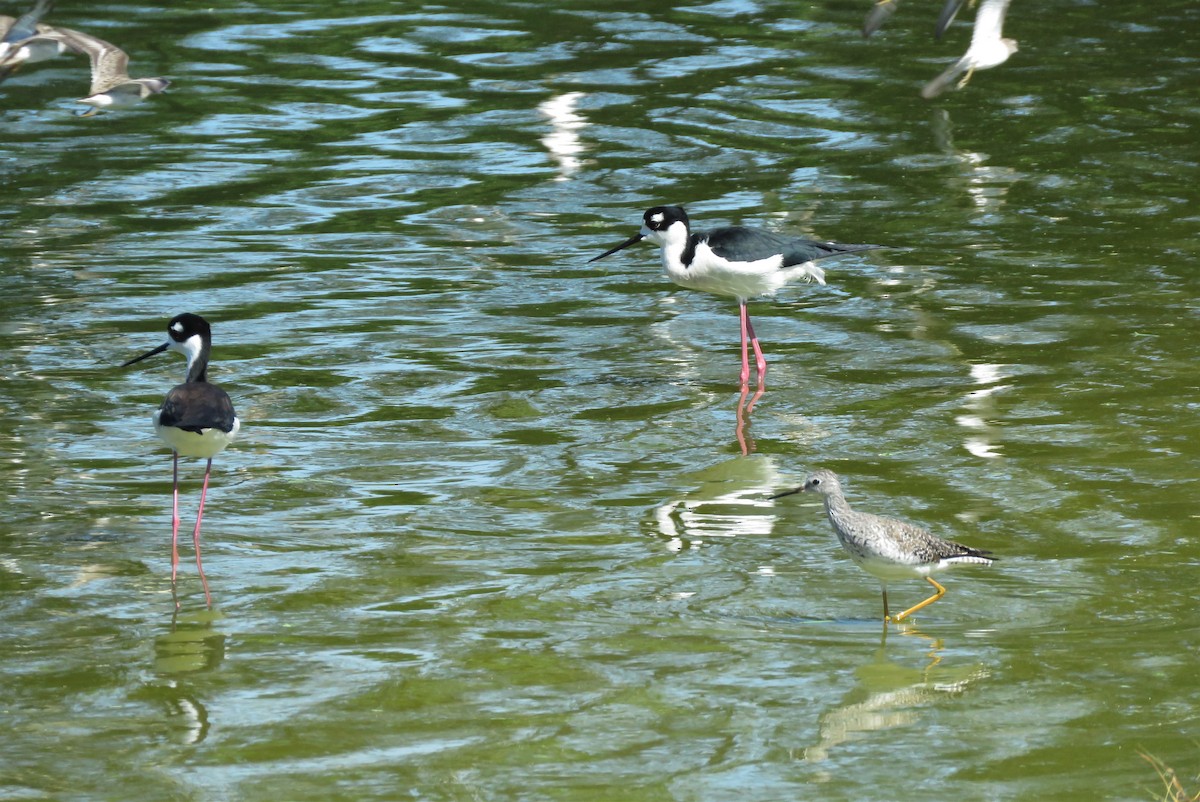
[492,529]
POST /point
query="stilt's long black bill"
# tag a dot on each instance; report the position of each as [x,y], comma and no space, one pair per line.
[157,350]
[787,493]
[632,240]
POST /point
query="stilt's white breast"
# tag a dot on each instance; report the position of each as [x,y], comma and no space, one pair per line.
[206,443]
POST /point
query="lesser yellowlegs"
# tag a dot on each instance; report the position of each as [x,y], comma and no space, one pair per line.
[111,85]
[886,547]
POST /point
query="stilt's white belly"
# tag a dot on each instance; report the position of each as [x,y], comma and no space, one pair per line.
[206,444]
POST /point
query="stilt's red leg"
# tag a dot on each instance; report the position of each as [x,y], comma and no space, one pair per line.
[196,534]
[759,359]
[745,319]
[174,515]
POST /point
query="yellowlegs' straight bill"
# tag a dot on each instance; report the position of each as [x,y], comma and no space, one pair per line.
[196,419]
[889,548]
[736,262]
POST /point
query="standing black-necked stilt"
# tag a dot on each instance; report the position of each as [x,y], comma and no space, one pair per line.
[888,548]
[196,419]
[736,261]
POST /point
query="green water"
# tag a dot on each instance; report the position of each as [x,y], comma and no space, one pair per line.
[489,531]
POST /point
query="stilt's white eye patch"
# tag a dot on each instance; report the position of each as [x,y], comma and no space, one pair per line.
[657,218]
[177,328]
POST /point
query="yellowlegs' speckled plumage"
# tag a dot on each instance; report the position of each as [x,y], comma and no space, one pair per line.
[887,548]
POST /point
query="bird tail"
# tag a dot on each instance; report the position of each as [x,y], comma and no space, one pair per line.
[813,273]
[839,248]
[971,556]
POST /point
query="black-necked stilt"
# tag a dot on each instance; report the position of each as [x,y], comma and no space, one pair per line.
[196,419]
[736,261]
[888,548]
[989,48]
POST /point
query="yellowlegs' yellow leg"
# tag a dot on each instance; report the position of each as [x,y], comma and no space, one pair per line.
[941,591]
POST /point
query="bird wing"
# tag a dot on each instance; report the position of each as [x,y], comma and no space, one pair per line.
[213,409]
[110,63]
[956,549]
[949,12]
[26,25]
[738,243]
[989,22]
[946,79]
[879,14]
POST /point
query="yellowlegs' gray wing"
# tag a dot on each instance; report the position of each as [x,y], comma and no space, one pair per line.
[947,79]
[25,25]
[110,63]
[46,43]
[15,33]
[946,18]
[879,14]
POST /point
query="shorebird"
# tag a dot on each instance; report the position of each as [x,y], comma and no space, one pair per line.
[887,548]
[22,42]
[989,48]
[111,85]
[736,262]
[196,419]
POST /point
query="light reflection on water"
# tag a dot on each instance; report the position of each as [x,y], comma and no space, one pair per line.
[492,528]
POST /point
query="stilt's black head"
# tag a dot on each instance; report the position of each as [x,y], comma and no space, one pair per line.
[660,218]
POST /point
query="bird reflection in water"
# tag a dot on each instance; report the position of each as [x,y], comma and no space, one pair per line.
[889,695]
[563,142]
[728,501]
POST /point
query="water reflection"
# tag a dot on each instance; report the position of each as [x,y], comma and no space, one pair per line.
[890,695]
[730,501]
[981,410]
[563,141]
[742,416]
[190,645]
[986,185]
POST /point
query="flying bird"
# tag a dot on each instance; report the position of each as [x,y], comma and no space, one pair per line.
[989,48]
[111,85]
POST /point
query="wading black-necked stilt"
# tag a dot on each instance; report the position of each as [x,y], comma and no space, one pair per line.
[196,419]
[736,262]
[886,547]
